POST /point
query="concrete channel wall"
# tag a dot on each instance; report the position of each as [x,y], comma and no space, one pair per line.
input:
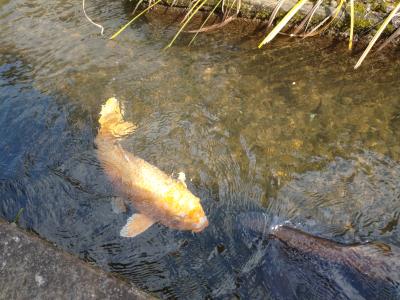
[31,268]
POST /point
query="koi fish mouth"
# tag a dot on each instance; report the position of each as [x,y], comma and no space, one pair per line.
[201,225]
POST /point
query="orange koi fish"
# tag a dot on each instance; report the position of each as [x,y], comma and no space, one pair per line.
[156,196]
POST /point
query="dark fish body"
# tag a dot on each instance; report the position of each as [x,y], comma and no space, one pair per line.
[372,260]
[375,261]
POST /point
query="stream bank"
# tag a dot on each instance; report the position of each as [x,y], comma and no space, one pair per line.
[368,15]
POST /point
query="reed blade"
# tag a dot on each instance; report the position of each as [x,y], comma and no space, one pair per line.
[137,6]
[308,18]
[186,22]
[282,23]
[90,20]
[332,18]
[214,26]
[351,24]
[205,21]
[226,14]
[316,6]
[134,18]
[389,39]
[192,6]
[275,12]
[377,35]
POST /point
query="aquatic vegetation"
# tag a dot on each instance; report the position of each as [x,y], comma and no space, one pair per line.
[332,17]
[357,18]
[90,20]
[17,217]
[195,8]
[377,35]
[134,19]
[351,35]
[282,23]
[205,21]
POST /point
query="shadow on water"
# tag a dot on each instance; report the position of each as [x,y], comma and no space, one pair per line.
[286,131]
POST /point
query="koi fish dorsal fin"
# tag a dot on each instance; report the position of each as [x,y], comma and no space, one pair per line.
[112,120]
[182,178]
[135,225]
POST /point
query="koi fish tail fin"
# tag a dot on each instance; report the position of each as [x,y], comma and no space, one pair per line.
[112,120]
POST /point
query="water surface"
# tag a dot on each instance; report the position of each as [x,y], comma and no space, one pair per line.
[291,130]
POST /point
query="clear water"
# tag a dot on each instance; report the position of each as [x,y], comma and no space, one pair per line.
[290,130]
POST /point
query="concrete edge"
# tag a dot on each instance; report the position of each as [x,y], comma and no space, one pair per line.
[33,268]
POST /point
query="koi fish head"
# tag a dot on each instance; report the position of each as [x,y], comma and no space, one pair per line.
[196,218]
[186,212]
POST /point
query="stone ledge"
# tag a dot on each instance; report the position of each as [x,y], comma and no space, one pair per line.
[368,15]
[32,268]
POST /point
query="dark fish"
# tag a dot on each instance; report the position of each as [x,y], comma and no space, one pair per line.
[374,260]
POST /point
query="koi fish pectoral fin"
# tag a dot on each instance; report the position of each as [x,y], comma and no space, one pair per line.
[135,225]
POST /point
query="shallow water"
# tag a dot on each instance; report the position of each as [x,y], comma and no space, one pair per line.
[290,130]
